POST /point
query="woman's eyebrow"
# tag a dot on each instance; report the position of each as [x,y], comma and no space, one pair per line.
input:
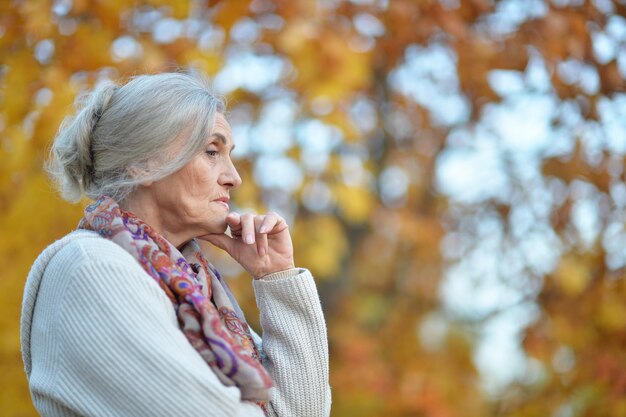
[223,139]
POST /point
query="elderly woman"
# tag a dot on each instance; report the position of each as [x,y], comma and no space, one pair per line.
[125,316]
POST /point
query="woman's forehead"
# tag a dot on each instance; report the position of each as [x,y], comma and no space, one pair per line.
[222,126]
[222,131]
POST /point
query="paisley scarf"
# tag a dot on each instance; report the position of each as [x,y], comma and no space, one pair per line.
[207,311]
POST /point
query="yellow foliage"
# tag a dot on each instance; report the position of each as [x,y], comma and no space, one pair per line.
[17,86]
[153,57]
[572,275]
[228,12]
[340,119]
[322,246]
[355,202]
[207,63]
[87,49]
[611,312]
[18,153]
[327,67]
[37,18]
[180,8]
[108,12]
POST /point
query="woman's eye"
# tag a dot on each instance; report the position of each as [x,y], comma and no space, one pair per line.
[212,153]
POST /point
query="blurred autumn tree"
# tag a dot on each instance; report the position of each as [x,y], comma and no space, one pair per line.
[453,171]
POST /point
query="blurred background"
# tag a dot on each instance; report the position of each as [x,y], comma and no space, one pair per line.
[452,171]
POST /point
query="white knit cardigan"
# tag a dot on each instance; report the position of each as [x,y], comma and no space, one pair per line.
[100,338]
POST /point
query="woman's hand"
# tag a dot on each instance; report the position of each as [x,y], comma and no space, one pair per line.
[261,244]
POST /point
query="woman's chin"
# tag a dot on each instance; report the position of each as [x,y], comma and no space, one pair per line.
[217,228]
[223,228]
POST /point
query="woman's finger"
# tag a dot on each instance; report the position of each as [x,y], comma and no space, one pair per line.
[247,228]
[233,220]
[279,225]
[261,238]
[268,223]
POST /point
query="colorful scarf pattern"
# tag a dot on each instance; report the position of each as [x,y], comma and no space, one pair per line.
[207,311]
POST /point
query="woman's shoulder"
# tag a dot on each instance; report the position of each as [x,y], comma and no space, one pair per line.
[75,252]
[81,247]
[82,270]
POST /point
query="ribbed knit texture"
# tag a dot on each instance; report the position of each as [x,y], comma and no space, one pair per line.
[90,349]
[286,303]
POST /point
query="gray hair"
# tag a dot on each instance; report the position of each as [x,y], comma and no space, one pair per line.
[124,135]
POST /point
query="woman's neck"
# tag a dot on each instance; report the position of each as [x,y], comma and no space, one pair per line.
[145,208]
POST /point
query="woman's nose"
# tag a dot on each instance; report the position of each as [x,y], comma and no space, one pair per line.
[230,177]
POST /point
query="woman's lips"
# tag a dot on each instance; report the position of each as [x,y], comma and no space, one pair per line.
[223,203]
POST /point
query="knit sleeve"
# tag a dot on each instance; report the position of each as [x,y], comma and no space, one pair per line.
[121,352]
[295,343]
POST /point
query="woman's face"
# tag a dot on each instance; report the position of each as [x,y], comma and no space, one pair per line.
[194,200]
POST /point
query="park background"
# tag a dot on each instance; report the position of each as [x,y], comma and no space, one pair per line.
[452,171]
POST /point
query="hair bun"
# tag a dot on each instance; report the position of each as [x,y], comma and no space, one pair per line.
[71,162]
